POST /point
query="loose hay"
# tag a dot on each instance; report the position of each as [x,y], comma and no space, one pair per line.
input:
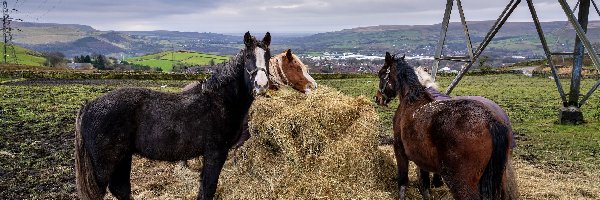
[324,146]
[317,146]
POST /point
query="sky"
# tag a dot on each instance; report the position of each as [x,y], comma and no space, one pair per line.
[281,16]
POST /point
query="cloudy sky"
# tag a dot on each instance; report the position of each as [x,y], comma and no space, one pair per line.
[284,16]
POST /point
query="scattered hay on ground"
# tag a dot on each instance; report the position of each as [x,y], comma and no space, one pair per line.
[318,146]
[324,146]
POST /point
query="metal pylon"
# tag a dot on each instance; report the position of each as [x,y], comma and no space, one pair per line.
[582,44]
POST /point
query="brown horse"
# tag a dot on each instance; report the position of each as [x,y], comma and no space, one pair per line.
[460,139]
[204,121]
[285,69]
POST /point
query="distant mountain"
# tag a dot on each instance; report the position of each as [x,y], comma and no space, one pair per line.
[515,38]
[73,40]
[83,28]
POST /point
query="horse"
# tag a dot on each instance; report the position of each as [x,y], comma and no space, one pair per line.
[204,121]
[460,139]
[285,70]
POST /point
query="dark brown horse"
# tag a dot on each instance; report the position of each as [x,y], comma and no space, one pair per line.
[285,70]
[460,139]
[204,121]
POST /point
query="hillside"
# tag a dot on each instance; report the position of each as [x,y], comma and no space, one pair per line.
[24,56]
[166,60]
[515,38]
[75,40]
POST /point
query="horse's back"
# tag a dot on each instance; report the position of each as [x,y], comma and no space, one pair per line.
[112,110]
[455,122]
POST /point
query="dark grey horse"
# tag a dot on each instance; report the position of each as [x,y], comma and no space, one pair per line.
[204,121]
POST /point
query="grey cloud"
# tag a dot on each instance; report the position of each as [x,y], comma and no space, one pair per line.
[274,15]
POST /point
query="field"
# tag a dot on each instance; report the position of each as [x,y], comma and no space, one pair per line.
[24,56]
[553,161]
[166,60]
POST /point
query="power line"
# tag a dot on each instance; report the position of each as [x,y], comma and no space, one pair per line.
[7,33]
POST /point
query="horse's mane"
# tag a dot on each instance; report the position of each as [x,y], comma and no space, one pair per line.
[408,80]
[425,78]
[225,73]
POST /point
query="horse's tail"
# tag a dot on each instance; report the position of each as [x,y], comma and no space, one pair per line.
[490,184]
[511,190]
[85,178]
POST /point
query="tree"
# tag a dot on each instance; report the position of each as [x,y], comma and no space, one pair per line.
[211,62]
[55,59]
[100,61]
[87,59]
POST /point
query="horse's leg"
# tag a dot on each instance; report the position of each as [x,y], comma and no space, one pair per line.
[437,181]
[120,185]
[402,162]
[424,184]
[213,164]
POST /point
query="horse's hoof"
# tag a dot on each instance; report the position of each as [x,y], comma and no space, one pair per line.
[402,192]
[425,194]
[437,182]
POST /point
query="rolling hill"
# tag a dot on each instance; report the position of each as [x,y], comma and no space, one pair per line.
[23,56]
[515,38]
[166,60]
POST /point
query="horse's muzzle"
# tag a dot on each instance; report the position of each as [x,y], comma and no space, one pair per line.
[380,99]
[259,90]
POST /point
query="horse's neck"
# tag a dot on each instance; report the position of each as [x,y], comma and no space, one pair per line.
[437,95]
[229,84]
[416,104]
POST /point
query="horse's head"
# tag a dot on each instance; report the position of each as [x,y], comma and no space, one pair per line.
[387,81]
[256,55]
[289,70]
[425,78]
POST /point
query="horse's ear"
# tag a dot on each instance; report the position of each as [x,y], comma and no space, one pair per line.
[267,39]
[288,54]
[388,57]
[403,56]
[248,39]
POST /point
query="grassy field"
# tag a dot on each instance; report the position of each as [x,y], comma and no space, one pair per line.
[165,60]
[24,56]
[36,139]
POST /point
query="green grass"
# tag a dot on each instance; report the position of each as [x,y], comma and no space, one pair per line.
[165,60]
[36,139]
[24,56]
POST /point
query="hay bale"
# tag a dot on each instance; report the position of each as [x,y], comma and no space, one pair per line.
[322,145]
